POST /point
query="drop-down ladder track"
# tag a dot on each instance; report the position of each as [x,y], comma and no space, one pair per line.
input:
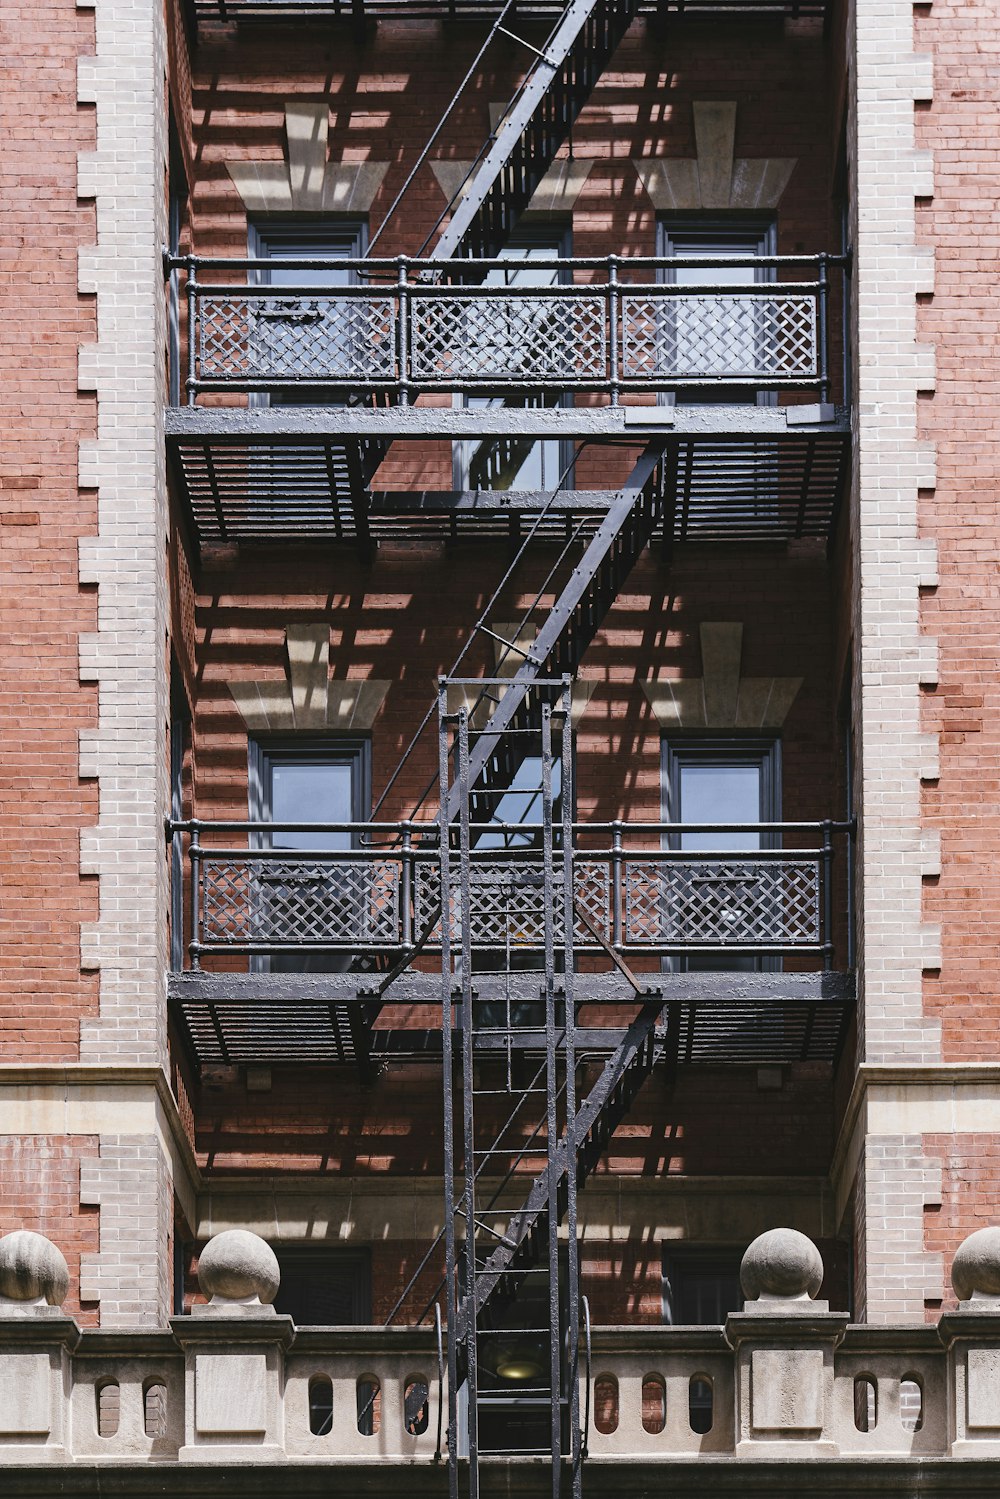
[473,1090]
[504,1260]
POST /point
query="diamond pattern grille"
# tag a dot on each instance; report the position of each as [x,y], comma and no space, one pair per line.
[297,338]
[725,904]
[508,902]
[508,337]
[281,903]
[704,337]
[284,902]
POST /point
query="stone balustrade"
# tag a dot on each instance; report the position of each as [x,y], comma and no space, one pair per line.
[235,1383]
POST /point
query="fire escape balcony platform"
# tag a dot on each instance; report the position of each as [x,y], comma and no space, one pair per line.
[359,12]
[297,476]
[720,1019]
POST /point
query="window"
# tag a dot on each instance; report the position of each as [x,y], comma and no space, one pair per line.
[512,462]
[719,781]
[301,337]
[701,1286]
[716,335]
[522,804]
[324,781]
[324,1287]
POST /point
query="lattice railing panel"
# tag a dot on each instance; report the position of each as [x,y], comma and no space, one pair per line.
[286,902]
[722,337]
[734,902]
[507,337]
[729,903]
[508,903]
[226,901]
[297,338]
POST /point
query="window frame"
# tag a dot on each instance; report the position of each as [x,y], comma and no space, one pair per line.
[323,1257]
[721,1260]
[265,233]
[262,747]
[671,230]
[550,234]
[760,750]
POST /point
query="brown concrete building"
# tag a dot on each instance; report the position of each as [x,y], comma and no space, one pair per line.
[501,747]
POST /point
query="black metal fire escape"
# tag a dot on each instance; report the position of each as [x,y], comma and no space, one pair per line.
[512,1280]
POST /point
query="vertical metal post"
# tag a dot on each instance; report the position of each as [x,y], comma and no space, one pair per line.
[468,1102]
[823,313]
[614,368]
[569,1061]
[827,878]
[551,1106]
[616,884]
[447,1071]
[403,331]
[406,890]
[196,879]
[851,870]
[192,330]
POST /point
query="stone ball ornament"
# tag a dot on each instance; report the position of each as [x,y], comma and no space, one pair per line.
[781,1265]
[238,1266]
[32,1270]
[975,1270]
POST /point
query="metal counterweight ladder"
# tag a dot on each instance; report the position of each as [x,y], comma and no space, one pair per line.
[512,1283]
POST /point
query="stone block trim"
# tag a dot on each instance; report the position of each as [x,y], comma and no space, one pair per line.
[132,1275]
[721,698]
[896,1275]
[893,660]
[716,179]
[125,655]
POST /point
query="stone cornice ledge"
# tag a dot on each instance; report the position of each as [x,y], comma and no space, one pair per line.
[945,1080]
[73,1077]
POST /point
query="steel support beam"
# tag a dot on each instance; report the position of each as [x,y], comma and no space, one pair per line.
[312,424]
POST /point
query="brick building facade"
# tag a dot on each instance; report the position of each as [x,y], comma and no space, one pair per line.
[666,419]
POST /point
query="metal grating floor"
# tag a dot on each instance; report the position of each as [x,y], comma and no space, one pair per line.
[716,1032]
[279,491]
[737,1032]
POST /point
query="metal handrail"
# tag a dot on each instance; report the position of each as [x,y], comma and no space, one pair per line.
[397,327]
[250,899]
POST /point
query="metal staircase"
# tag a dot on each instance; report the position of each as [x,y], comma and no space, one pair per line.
[535,124]
[558,648]
[481,747]
[520,151]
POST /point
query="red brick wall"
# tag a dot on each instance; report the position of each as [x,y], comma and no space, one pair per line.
[40,1177]
[405,619]
[43,803]
[962,320]
[969,1197]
